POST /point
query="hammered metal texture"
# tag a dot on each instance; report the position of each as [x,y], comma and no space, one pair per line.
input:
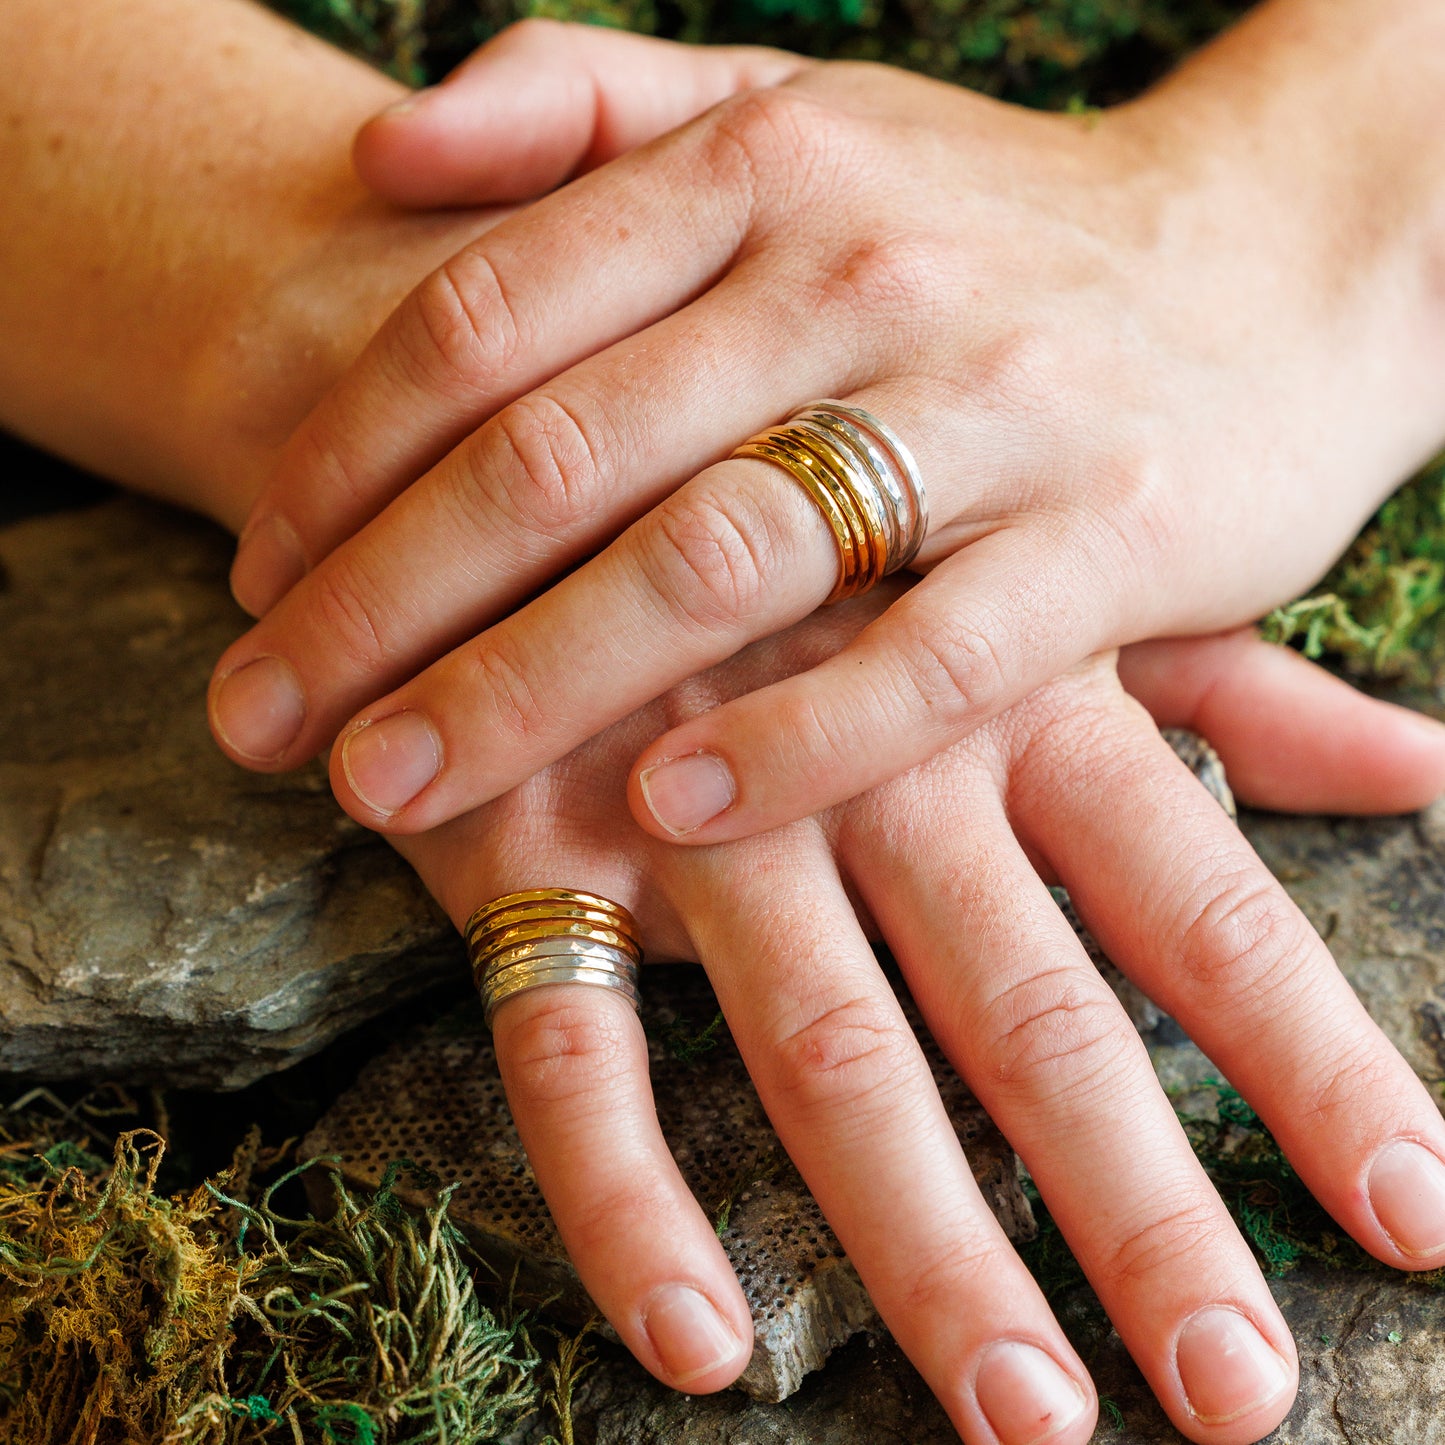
[435,1099]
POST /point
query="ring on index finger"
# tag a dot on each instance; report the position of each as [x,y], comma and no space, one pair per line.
[862,478]
[552,935]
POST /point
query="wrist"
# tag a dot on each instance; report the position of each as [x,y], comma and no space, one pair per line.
[1305,144]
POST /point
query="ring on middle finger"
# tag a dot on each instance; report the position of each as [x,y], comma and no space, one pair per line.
[862,479]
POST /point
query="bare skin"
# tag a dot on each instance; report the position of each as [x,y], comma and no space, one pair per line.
[182,369]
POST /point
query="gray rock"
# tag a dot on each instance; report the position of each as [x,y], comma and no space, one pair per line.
[1372,1372]
[165,915]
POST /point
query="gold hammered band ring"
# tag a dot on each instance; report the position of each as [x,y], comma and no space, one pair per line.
[552,935]
[864,481]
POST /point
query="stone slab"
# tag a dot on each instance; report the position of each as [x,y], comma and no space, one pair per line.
[1372,1372]
[164,914]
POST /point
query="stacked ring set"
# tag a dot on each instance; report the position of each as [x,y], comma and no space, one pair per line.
[862,479]
[551,935]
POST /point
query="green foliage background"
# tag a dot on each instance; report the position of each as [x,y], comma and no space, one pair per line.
[1040,52]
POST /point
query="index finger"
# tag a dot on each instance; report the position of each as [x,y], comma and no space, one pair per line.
[593,263]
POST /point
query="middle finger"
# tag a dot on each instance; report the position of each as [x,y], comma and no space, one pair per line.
[852,1098]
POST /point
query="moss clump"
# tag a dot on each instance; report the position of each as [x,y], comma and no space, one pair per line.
[205,1319]
[1380,613]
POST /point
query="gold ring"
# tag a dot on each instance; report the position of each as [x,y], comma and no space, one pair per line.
[552,935]
[863,480]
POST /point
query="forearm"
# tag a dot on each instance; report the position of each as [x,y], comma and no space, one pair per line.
[1326,118]
[189,260]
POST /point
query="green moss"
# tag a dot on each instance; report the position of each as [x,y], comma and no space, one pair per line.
[1380,613]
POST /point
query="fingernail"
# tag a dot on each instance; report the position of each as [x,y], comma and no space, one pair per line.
[1227,1367]
[406,104]
[1025,1395]
[691,1338]
[1407,1193]
[270,561]
[684,793]
[389,762]
[258,709]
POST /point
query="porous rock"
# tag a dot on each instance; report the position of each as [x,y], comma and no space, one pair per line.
[164,914]
[435,1100]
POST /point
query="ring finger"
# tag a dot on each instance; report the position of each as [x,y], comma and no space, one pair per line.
[573,1059]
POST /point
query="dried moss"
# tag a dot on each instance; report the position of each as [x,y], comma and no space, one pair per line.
[205,1318]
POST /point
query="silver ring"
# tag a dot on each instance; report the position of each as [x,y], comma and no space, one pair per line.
[890,466]
[597,972]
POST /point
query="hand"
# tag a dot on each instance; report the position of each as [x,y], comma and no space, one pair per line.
[1075,781]
[1145,398]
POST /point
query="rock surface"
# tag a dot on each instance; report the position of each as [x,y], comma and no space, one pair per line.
[1372,1372]
[164,914]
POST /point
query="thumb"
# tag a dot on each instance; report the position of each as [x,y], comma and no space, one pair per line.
[543,102]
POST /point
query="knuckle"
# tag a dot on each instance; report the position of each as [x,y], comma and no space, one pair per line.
[955,669]
[775,139]
[882,276]
[535,30]
[503,684]
[547,465]
[563,1052]
[1241,934]
[1053,1033]
[466,325]
[711,557]
[951,1274]
[856,1052]
[1180,1236]
[1353,1076]
[350,622]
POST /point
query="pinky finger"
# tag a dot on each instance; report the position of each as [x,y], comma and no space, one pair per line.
[1292,736]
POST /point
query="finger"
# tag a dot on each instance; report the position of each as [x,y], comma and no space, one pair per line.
[505,314]
[573,1059]
[982,630]
[1176,896]
[1040,1038]
[852,1098]
[550,480]
[712,568]
[544,101]
[1291,736]
[738,553]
